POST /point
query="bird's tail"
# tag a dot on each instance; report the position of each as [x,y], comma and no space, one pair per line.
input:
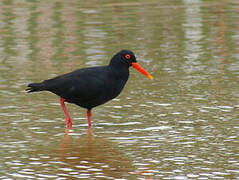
[34,87]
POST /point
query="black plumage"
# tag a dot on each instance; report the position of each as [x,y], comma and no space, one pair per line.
[90,87]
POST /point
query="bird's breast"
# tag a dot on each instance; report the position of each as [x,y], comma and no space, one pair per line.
[114,89]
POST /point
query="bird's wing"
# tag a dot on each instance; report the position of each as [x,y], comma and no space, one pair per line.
[82,85]
[87,89]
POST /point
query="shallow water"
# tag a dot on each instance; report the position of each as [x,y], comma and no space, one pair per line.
[182,125]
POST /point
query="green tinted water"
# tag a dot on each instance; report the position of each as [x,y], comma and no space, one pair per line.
[182,125]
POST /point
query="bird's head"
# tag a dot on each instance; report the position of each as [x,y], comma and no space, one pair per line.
[128,58]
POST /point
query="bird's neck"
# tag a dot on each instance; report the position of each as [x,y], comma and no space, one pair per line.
[119,70]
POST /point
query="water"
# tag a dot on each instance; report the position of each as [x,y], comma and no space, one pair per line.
[182,125]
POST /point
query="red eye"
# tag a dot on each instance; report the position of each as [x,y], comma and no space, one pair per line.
[127,56]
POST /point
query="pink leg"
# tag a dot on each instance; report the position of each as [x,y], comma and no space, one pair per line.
[68,119]
[89,117]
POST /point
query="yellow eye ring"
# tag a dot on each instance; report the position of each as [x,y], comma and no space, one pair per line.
[127,56]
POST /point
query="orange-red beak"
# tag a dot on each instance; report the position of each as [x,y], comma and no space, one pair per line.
[140,69]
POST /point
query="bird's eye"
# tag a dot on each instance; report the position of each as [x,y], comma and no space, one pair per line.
[127,56]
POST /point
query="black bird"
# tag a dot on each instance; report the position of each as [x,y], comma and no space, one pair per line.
[93,86]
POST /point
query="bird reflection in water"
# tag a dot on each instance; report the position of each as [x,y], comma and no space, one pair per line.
[93,157]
